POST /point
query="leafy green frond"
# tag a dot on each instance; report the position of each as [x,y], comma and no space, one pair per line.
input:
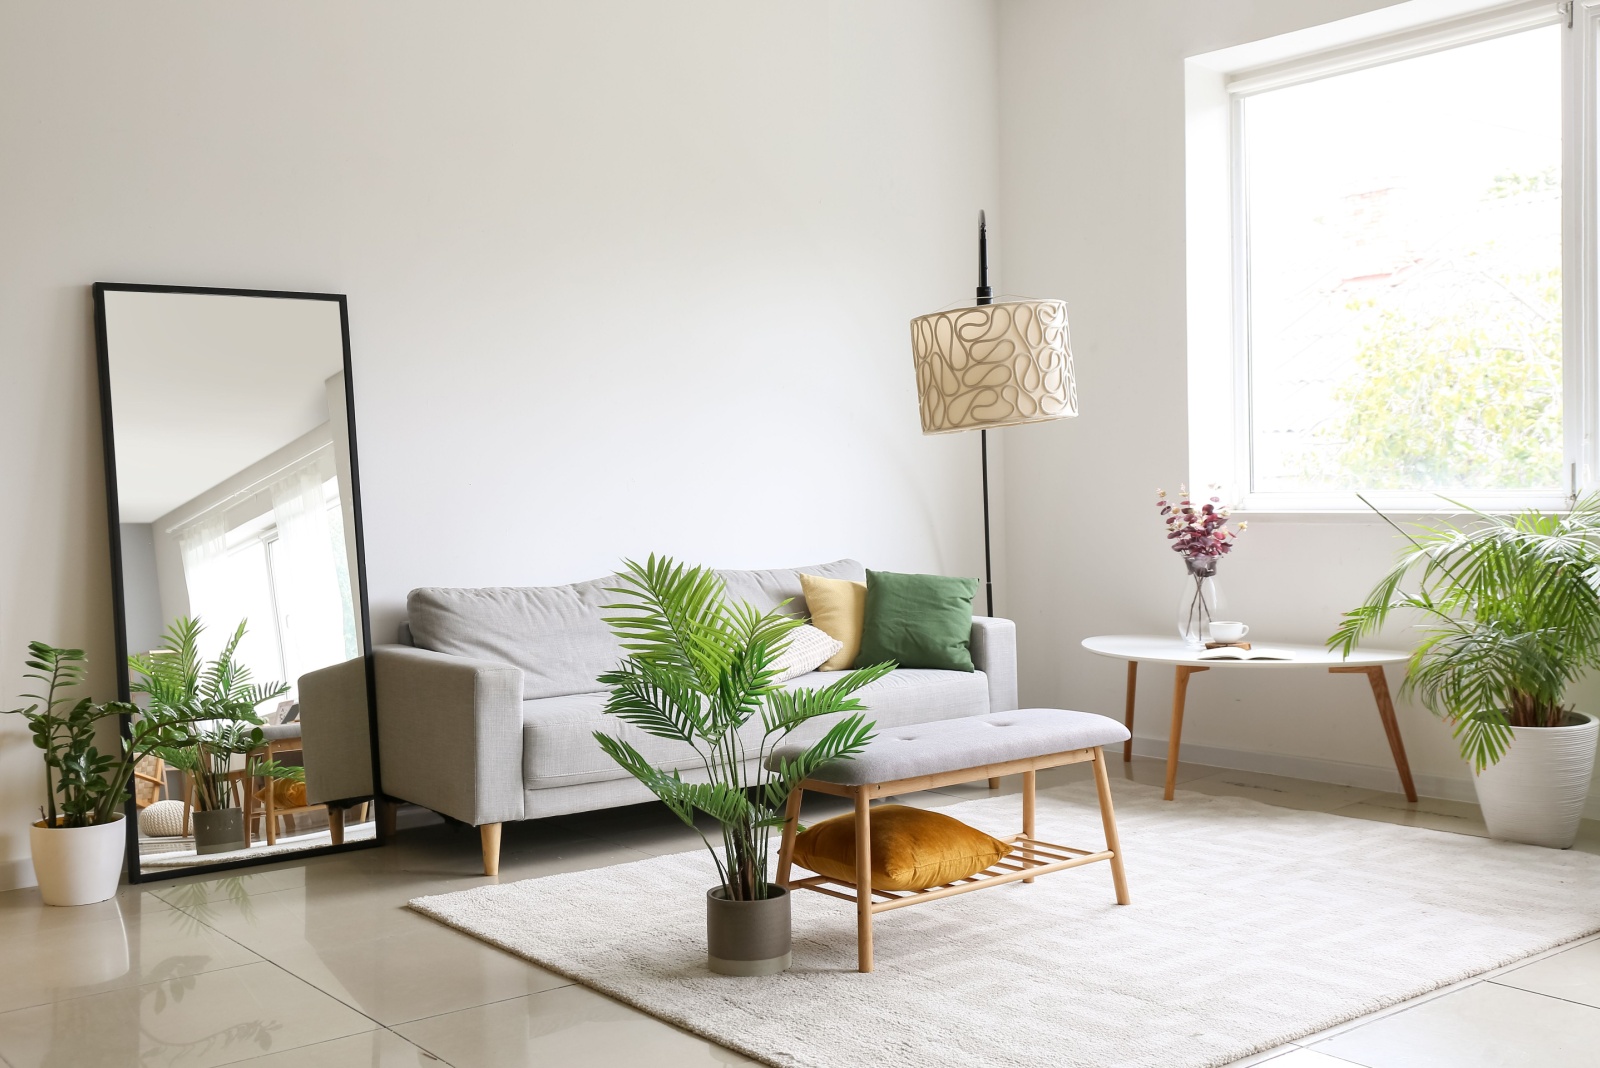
[787,709]
[1508,608]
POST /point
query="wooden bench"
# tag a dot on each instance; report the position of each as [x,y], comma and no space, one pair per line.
[926,756]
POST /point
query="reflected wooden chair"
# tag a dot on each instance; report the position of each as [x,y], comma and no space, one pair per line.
[154,774]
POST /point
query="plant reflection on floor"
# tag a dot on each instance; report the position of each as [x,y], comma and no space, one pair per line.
[195,903]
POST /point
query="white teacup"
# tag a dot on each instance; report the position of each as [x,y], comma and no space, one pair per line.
[1228,631]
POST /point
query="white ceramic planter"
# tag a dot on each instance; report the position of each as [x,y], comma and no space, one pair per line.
[1535,794]
[78,865]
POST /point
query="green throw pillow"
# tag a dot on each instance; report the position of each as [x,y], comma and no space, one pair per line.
[918,621]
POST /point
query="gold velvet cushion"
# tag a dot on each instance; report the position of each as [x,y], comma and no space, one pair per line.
[912,848]
[837,608]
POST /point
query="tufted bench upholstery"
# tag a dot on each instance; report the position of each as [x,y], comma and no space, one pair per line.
[975,741]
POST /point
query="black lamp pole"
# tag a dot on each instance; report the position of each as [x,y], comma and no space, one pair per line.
[985,296]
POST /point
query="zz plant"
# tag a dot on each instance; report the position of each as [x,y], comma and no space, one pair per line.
[1509,610]
[699,670]
[85,780]
[187,699]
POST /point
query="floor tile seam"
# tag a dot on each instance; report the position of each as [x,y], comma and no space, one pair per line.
[1388,1012]
[341,1038]
[377,1025]
[1542,994]
[483,1005]
[133,986]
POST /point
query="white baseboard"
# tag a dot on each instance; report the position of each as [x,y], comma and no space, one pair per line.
[16,874]
[1363,776]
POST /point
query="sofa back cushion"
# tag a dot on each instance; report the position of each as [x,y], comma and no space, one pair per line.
[768,589]
[556,634]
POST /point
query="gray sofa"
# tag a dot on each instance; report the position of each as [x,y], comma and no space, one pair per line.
[486,713]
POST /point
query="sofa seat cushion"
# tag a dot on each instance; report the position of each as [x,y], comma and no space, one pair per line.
[558,747]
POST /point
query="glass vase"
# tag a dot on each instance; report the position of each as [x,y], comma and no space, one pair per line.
[1200,601]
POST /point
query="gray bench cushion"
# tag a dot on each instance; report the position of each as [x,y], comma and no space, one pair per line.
[558,748]
[957,744]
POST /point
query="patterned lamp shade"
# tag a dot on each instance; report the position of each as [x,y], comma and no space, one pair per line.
[994,365]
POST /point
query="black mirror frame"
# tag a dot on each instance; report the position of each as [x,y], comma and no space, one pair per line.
[119,607]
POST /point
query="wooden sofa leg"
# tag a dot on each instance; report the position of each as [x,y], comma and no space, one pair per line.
[387,812]
[336,824]
[491,848]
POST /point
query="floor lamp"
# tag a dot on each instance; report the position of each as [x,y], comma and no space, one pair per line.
[993,365]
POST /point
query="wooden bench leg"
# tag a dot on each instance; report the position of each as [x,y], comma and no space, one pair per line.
[863,880]
[1029,782]
[490,833]
[791,824]
[994,782]
[1102,783]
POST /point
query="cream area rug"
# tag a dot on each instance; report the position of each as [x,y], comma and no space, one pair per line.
[1249,926]
[183,858]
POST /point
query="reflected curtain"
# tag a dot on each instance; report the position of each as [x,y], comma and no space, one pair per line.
[203,545]
[306,574]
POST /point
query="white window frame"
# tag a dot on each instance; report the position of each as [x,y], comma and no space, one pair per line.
[1227,79]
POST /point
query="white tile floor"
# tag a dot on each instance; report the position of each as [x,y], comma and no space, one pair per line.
[319,964]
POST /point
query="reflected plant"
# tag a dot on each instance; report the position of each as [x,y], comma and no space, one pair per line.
[218,699]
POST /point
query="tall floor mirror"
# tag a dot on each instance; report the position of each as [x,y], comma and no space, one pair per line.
[237,563]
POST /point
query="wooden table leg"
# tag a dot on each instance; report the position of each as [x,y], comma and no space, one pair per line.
[1029,783]
[1108,820]
[1391,725]
[863,880]
[791,823]
[1180,690]
[1127,713]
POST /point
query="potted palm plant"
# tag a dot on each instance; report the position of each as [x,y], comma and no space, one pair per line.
[1509,609]
[219,699]
[699,670]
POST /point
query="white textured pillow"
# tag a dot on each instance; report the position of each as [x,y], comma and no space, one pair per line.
[808,648]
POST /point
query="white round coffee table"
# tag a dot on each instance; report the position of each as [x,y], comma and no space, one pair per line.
[1187,660]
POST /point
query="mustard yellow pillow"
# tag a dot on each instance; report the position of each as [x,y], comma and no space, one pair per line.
[912,848]
[838,607]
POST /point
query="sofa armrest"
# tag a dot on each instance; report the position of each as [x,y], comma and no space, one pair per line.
[335,732]
[994,652]
[450,733]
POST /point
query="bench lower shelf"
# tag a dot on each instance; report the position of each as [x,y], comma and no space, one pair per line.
[1030,857]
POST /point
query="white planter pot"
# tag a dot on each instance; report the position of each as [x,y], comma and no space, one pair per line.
[78,865]
[1535,794]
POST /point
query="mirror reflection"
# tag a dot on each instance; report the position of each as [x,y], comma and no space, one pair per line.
[240,574]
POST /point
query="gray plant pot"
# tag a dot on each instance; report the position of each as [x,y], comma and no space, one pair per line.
[218,831]
[748,937]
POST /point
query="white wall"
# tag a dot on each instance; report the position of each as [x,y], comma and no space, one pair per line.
[623,276]
[1092,164]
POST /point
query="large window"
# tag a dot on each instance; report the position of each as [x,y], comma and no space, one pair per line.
[1399,244]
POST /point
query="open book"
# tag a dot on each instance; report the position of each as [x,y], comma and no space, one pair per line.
[1233,653]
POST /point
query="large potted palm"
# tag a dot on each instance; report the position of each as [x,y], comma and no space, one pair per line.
[1509,615]
[699,670]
